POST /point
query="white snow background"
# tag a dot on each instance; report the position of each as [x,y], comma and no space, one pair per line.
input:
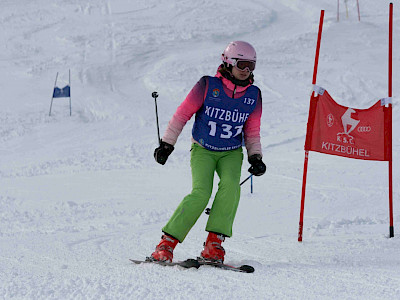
[81,195]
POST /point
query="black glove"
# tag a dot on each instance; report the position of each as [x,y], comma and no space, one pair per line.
[257,168]
[162,152]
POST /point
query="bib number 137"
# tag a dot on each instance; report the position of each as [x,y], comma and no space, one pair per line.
[226,130]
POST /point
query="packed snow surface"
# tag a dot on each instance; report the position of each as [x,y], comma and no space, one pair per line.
[82,194]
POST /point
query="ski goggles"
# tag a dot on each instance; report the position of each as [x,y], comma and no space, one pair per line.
[243,64]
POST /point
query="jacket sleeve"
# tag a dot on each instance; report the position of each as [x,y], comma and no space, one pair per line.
[252,129]
[192,103]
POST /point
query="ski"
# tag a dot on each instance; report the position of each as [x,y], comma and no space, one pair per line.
[197,263]
[187,264]
[242,268]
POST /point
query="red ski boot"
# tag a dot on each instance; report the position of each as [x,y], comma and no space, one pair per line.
[213,251]
[164,250]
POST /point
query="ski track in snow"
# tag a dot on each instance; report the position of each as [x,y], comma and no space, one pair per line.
[81,195]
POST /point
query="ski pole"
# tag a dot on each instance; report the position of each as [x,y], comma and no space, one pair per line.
[246,179]
[208,210]
[155,95]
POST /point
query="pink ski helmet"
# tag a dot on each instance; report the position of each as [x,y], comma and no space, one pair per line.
[239,50]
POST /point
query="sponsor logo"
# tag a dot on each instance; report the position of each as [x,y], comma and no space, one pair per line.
[349,124]
[215,92]
[330,120]
[348,121]
[364,129]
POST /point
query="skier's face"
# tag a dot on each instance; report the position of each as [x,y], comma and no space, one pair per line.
[240,74]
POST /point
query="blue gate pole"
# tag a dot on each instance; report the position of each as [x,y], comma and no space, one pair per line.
[51,103]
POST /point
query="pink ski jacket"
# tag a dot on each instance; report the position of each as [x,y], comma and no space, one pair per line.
[193,102]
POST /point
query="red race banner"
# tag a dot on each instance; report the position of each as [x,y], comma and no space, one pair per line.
[355,133]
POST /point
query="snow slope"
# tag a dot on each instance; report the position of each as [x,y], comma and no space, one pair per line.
[82,194]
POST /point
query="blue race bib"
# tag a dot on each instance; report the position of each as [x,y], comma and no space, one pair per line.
[219,122]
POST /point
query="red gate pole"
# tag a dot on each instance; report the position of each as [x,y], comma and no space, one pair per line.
[303,196]
[314,80]
[391,229]
[321,22]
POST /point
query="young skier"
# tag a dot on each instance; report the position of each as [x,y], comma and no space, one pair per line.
[228,110]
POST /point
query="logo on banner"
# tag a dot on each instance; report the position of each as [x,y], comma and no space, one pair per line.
[349,124]
[364,129]
[330,120]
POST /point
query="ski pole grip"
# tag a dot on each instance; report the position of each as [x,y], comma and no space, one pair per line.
[154,94]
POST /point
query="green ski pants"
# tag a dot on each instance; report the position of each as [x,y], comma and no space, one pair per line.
[204,163]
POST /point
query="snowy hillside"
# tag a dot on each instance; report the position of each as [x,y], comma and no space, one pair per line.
[81,195]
